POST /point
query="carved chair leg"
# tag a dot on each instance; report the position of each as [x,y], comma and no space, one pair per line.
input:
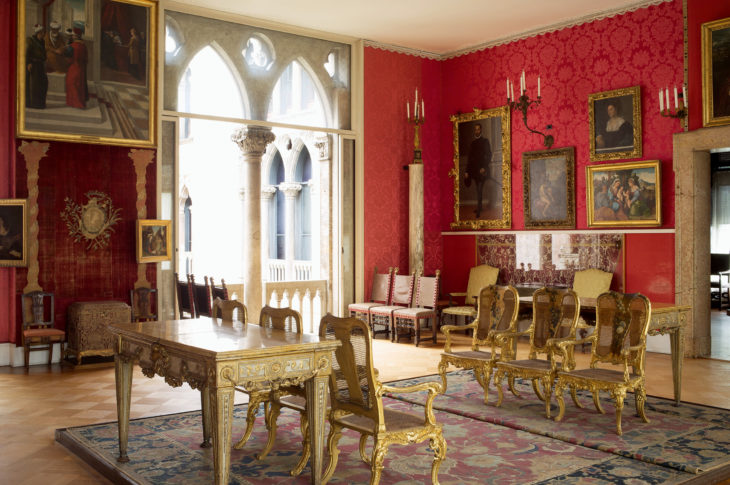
[253,407]
[547,385]
[271,416]
[442,372]
[363,442]
[511,383]
[640,397]
[536,388]
[380,449]
[482,374]
[306,446]
[559,386]
[50,352]
[498,377]
[438,445]
[619,396]
[334,437]
[574,395]
[597,402]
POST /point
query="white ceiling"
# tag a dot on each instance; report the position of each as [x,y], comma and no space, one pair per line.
[433,26]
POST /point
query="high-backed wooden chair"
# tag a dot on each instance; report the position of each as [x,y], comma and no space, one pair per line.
[218,291]
[201,297]
[356,397]
[410,320]
[401,296]
[479,277]
[622,323]
[554,317]
[184,293]
[144,304]
[496,314]
[379,296]
[230,310]
[38,332]
[282,319]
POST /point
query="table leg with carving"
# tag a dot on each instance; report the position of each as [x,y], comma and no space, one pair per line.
[123,380]
[221,407]
[205,407]
[676,340]
[316,391]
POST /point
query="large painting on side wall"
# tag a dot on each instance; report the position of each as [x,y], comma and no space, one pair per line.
[482,169]
[716,72]
[86,71]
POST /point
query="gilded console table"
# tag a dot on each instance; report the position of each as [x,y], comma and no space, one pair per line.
[213,357]
[665,318]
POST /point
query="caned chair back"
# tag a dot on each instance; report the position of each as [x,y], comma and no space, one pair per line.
[380,292]
[352,381]
[427,291]
[479,277]
[622,321]
[227,309]
[589,283]
[201,297]
[281,318]
[402,293]
[38,309]
[143,304]
[220,291]
[184,293]
[497,310]
[554,315]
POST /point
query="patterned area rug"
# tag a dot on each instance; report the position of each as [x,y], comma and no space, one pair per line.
[689,437]
[165,449]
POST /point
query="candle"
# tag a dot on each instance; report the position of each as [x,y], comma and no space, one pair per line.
[415,111]
[522,82]
[538,86]
[661,101]
[423,109]
[507,88]
[408,111]
[415,103]
[512,90]
[666,93]
[684,95]
[676,101]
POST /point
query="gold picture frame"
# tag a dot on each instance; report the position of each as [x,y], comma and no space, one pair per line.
[13,232]
[615,124]
[482,189]
[716,72]
[87,72]
[548,188]
[154,240]
[624,194]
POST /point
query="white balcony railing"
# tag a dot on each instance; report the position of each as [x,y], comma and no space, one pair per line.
[309,298]
[281,270]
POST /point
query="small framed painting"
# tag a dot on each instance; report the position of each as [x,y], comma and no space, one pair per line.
[154,240]
[716,72]
[13,233]
[615,124]
[624,194]
[548,188]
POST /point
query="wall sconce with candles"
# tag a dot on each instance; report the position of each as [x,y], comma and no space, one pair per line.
[680,103]
[417,120]
[524,103]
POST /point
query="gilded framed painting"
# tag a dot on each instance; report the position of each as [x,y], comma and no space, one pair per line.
[548,188]
[624,194]
[716,72]
[615,124]
[13,233]
[154,240]
[482,169]
[86,71]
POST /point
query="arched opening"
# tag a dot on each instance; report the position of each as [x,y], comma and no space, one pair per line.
[303,228]
[295,98]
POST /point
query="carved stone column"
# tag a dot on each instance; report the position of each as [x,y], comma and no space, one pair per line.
[291,190]
[324,198]
[267,194]
[140,159]
[252,140]
[33,152]
[415,217]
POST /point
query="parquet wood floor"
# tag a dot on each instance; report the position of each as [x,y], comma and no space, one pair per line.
[34,403]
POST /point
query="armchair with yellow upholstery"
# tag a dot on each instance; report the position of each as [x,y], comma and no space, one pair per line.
[619,345]
[554,318]
[496,314]
[479,277]
[356,397]
[589,283]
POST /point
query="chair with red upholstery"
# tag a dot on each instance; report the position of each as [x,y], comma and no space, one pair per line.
[379,296]
[410,320]
[38,327]
[201,297]
[401,296]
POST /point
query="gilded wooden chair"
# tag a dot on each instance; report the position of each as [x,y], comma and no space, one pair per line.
[496,314]
[184,294]
[356,398]
[281,319]
[230,310]
[401,297]
[589,283]
[201,297]
[38,331]
[479,277]
[554,318]
[410,320]
[218,291]
[143,301]
[379,296]
[622,323]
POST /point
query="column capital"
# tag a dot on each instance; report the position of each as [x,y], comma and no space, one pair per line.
[323,146]
[267,193]
[252,140]
[290,189]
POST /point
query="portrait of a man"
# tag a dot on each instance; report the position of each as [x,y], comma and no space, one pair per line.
[12,232]
[615,124]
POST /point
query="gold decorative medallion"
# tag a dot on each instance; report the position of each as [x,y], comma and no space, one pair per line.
[92,221]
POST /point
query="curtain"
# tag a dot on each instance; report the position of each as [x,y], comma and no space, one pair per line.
[720,219]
